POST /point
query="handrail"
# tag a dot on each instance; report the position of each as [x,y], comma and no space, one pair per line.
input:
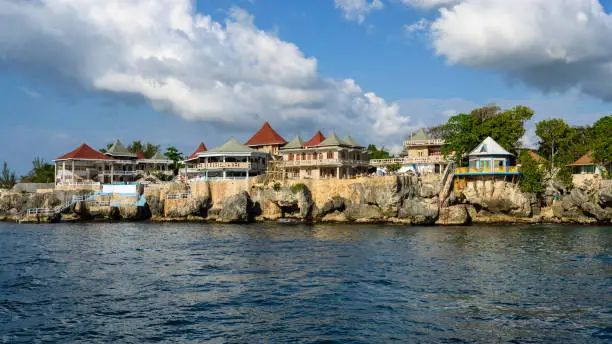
[178,196]
[322,162]
[468,170]
[408,160]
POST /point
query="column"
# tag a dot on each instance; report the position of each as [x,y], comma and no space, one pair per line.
[338,172]
[63,170]
[73,170]
[55,176]
[112,172]
[224,173]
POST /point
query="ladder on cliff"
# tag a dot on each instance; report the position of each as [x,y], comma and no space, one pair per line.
[446,183]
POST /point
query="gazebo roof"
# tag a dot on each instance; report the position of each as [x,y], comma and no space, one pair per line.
[266,136]
[315,140]
[159,156]
[349,141]
[296,143]
[201,148]
[489,147]
[86,153]
[233,146]
[584,160]
[332,140]
[118,149]
[420,135]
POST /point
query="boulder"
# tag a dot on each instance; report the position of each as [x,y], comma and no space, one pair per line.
[453,215]
[178,208]
[500,197]
[428,191]
[419,211]
[604,196]
[363,212]
[156,205]
[389,196]
[336,204]
[237,208]
[336,216]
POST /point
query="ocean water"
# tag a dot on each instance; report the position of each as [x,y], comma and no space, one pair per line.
[264,283]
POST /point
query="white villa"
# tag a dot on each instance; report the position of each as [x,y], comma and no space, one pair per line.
[232,160]
[87,166]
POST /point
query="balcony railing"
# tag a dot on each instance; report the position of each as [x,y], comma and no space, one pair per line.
[323,162]
[408,160]
[221,165]
[476,170]
[434,142]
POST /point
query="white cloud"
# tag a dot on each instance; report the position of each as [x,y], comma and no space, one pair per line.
[429,4]
[420,25]
[554,45]
[29,92]
[358,9]
[190,65]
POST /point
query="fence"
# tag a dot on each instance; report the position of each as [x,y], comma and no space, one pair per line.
[178,196]
[476,170]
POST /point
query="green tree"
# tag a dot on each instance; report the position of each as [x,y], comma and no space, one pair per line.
[106,148]
[394,167]
[532,175]
[7,179]
[375,153]
[146,149]
[42,172]
[602,139]
[176,157]
[555,139]
[463,132]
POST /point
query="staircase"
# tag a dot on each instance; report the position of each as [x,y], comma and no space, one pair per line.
[446,183]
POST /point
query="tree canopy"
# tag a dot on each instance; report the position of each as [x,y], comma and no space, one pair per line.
[42,172]
[175,156]
[463,132]
[375,153]
[147,149]
[7,177]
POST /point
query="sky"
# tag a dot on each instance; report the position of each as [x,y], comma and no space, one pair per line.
[178,72]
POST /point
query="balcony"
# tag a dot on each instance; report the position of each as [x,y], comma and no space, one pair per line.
[434,142]
[432,159]
[467,171]
[324,162]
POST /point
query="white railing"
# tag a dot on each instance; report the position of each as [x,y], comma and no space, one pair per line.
[213,165]
[71,183]
[323,162]
[408,160]
[41,211]
[99,203]
[76,198]
[178,196]
[433,142]
[124,173]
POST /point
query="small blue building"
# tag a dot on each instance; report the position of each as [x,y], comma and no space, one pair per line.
[489,158]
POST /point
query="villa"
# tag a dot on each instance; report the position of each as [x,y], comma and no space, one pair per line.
[323,158]
[421,154]
[232,160]
[86,165]
[266,140]
[586,165]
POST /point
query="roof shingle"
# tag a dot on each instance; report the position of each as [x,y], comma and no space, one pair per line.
[86,153]
[315,140]
[266,136]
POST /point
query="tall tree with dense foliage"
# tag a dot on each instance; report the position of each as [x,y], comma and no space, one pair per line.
[602,139]
[147,149]
[42,172]
[531,173]
[175,156]
[556,137]
[7,178]
[463,132]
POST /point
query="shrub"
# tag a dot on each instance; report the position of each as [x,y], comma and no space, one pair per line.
[394,167]
[276,186]
[565,176]
[533,177]
[299,187]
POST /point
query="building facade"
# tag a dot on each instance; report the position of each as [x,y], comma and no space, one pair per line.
[586,165]
[323,158]
[86,165]
[489,158]
[232,160]
[266,140]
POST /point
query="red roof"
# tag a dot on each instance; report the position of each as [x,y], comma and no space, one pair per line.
[315,140]
[586,159]
[139,155]
[266,136]
[535,156]
[84,152]
[201,148]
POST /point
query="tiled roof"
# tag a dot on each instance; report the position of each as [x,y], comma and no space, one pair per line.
[201,148]
[159,156]
[233,146]
[489,147]
[296,143]
[315,140]
[586,159]
[266,136]
[349,141]
[118,149]
[84,152]
[332,140]
[420,135]
[535,156]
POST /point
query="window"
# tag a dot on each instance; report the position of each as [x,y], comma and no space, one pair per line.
[330,155]
[290,157]
[483,149]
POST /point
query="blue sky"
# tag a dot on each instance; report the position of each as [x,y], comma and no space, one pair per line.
[84,73]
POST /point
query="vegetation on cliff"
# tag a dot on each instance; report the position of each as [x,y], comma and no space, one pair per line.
[7,178]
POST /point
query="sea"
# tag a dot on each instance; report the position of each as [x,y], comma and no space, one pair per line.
[284,283]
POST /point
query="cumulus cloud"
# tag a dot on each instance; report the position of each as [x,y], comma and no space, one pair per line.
[553,45]
[188,64]
[358,9]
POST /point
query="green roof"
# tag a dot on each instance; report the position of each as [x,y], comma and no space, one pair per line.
[159,156]
[118,149]
[296,143]
[349,141]
[420,135]
[332,140]
[232,146]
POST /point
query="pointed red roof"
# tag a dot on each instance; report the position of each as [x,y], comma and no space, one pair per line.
[139,155]
[315,140]
[586,159]
[201,148]
[84,152]
[266,136]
